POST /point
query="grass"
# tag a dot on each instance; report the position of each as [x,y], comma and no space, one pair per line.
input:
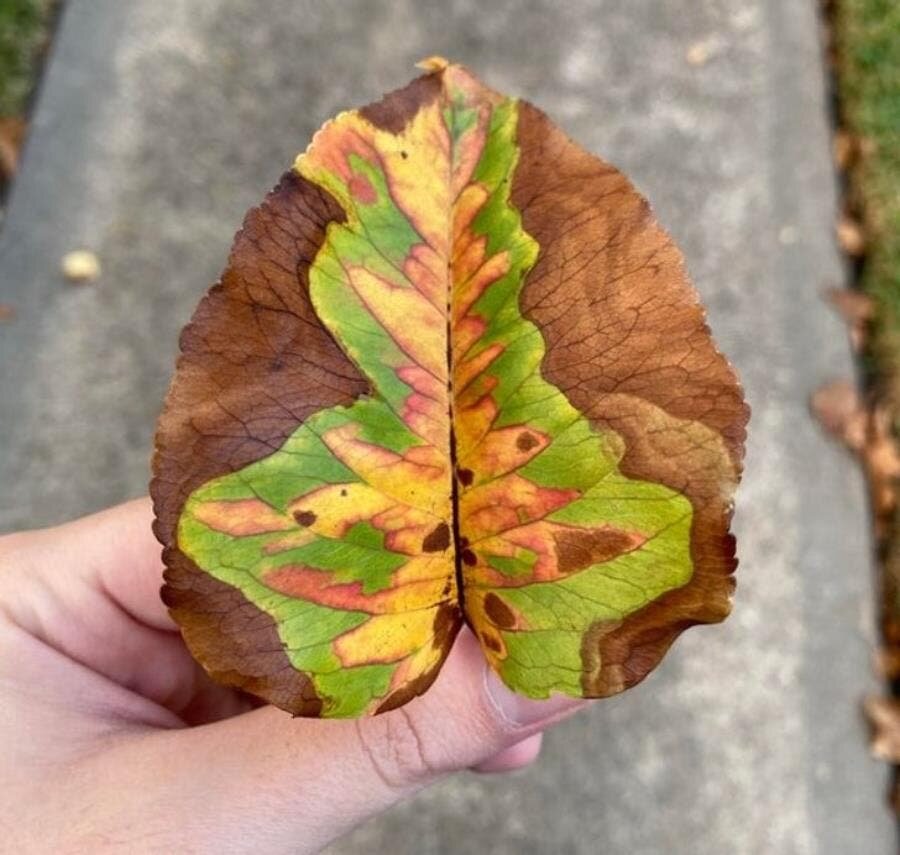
[867,52]
[23,31]
[867,34]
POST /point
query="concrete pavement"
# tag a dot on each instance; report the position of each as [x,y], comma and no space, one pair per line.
[158,124]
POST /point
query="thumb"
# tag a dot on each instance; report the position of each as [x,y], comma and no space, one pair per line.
[270,783]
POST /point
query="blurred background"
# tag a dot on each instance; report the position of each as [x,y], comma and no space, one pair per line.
[154,126]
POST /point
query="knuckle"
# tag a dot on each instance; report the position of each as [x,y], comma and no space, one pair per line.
[396,749]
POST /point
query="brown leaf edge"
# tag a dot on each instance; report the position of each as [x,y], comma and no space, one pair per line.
[252,346]
[629,303]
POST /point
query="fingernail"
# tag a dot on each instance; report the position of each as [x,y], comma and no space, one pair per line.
[518,711]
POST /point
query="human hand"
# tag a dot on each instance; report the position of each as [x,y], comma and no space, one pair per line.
[114,739]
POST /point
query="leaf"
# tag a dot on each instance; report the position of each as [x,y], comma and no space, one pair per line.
[840,410]
[857,310]
[12,136]
[868,433]
[454,372]
[884,718]
[850,235]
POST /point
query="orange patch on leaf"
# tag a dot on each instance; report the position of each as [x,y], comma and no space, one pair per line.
[241,517]
[507,503]
[419,478]
[319,586]
[507,449]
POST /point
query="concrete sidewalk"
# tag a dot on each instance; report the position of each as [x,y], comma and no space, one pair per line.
[157,126]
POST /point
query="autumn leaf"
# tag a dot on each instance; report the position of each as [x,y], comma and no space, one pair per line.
[453,373]
[857,310]
[884,719]
[12,136]
[867,431]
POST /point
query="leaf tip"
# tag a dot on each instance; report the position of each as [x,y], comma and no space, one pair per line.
[433,64]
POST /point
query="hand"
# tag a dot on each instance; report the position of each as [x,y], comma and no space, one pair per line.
[112,739]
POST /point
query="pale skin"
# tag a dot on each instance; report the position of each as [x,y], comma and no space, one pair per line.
[113,740]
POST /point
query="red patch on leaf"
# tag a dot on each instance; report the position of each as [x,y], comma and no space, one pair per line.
[362,189]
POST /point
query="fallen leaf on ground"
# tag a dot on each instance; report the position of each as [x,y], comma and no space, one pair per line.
[850,236]
[867,432]
[857,310]
[882,460]
[839,408]
[12,135]
[844,147]
[887,663]
[884,717]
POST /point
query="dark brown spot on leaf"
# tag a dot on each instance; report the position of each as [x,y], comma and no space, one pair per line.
[469,558]
[500,613]
[466,477]
[526,441]
[491,642]
[579,548]
[438,539]
[304,518]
